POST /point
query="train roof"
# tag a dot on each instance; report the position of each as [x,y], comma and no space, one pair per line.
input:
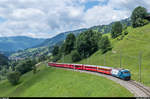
[94,66]
[90,65]
[99,66]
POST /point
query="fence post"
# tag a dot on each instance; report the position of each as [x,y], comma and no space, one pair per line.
[83,57]
[104,59]
[140,62]
[87,58]
[120,59]
[63,58]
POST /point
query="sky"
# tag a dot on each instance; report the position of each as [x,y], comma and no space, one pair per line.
[47,18]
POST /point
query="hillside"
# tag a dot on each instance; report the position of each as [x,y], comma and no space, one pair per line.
[52,82]
[31,53]
[11,44]
[58,40]
[107,28]
[135,42]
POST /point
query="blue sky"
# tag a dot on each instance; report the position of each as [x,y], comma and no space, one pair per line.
[2,20]
[91,4]
[47,18]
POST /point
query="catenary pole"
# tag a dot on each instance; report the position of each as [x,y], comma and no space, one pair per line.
[104,59]
[140,62]
[120,59]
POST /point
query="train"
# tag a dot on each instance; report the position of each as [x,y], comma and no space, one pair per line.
[121,73]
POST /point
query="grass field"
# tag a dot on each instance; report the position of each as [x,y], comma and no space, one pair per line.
[138,40]
[52,82]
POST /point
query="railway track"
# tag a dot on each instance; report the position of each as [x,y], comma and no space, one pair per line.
[138,89]
[143,88]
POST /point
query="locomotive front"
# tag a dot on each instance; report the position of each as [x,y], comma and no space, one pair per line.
[121,73]
[125,74]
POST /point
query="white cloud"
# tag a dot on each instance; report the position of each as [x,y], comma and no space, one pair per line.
[46,18]
[28,14]
[103,15]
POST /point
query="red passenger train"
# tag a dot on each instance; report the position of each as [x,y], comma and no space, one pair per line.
[116,72]
[101,69]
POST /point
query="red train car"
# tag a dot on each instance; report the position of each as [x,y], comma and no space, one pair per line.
[101,69]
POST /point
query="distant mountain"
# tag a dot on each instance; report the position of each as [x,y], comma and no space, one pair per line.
[44,48]
[11,44]
[59,38]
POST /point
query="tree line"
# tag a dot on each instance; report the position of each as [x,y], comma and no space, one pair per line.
[82,46]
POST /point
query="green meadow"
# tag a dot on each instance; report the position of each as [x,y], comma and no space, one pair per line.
[57,82]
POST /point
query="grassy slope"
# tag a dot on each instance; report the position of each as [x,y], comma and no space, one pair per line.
[138,40]
[59,82]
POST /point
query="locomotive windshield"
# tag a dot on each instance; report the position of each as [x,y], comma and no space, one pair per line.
[126,72]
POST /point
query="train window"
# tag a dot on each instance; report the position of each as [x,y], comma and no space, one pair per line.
[90,67]
[126,72]
[104,69]
[78,66]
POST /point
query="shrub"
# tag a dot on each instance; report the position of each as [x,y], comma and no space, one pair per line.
[25,66]
[56,57]
[55,50]
[116,29]
[125,32]
[34,69]
[122,36]
[145,21]
[75,56]
[13,77]
[105,44]
[141,22]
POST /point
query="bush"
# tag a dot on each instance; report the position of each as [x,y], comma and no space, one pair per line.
[13,77]
[145,21]
[125,32]
[34,69]
[116,29]
[55,50]
[55,58]
[25,66]
[141,22]
[105,44]
[75,56]
[122,36]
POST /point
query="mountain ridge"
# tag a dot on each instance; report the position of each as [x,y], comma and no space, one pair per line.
[14,43]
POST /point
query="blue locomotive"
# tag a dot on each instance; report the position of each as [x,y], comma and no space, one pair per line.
[121,73]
